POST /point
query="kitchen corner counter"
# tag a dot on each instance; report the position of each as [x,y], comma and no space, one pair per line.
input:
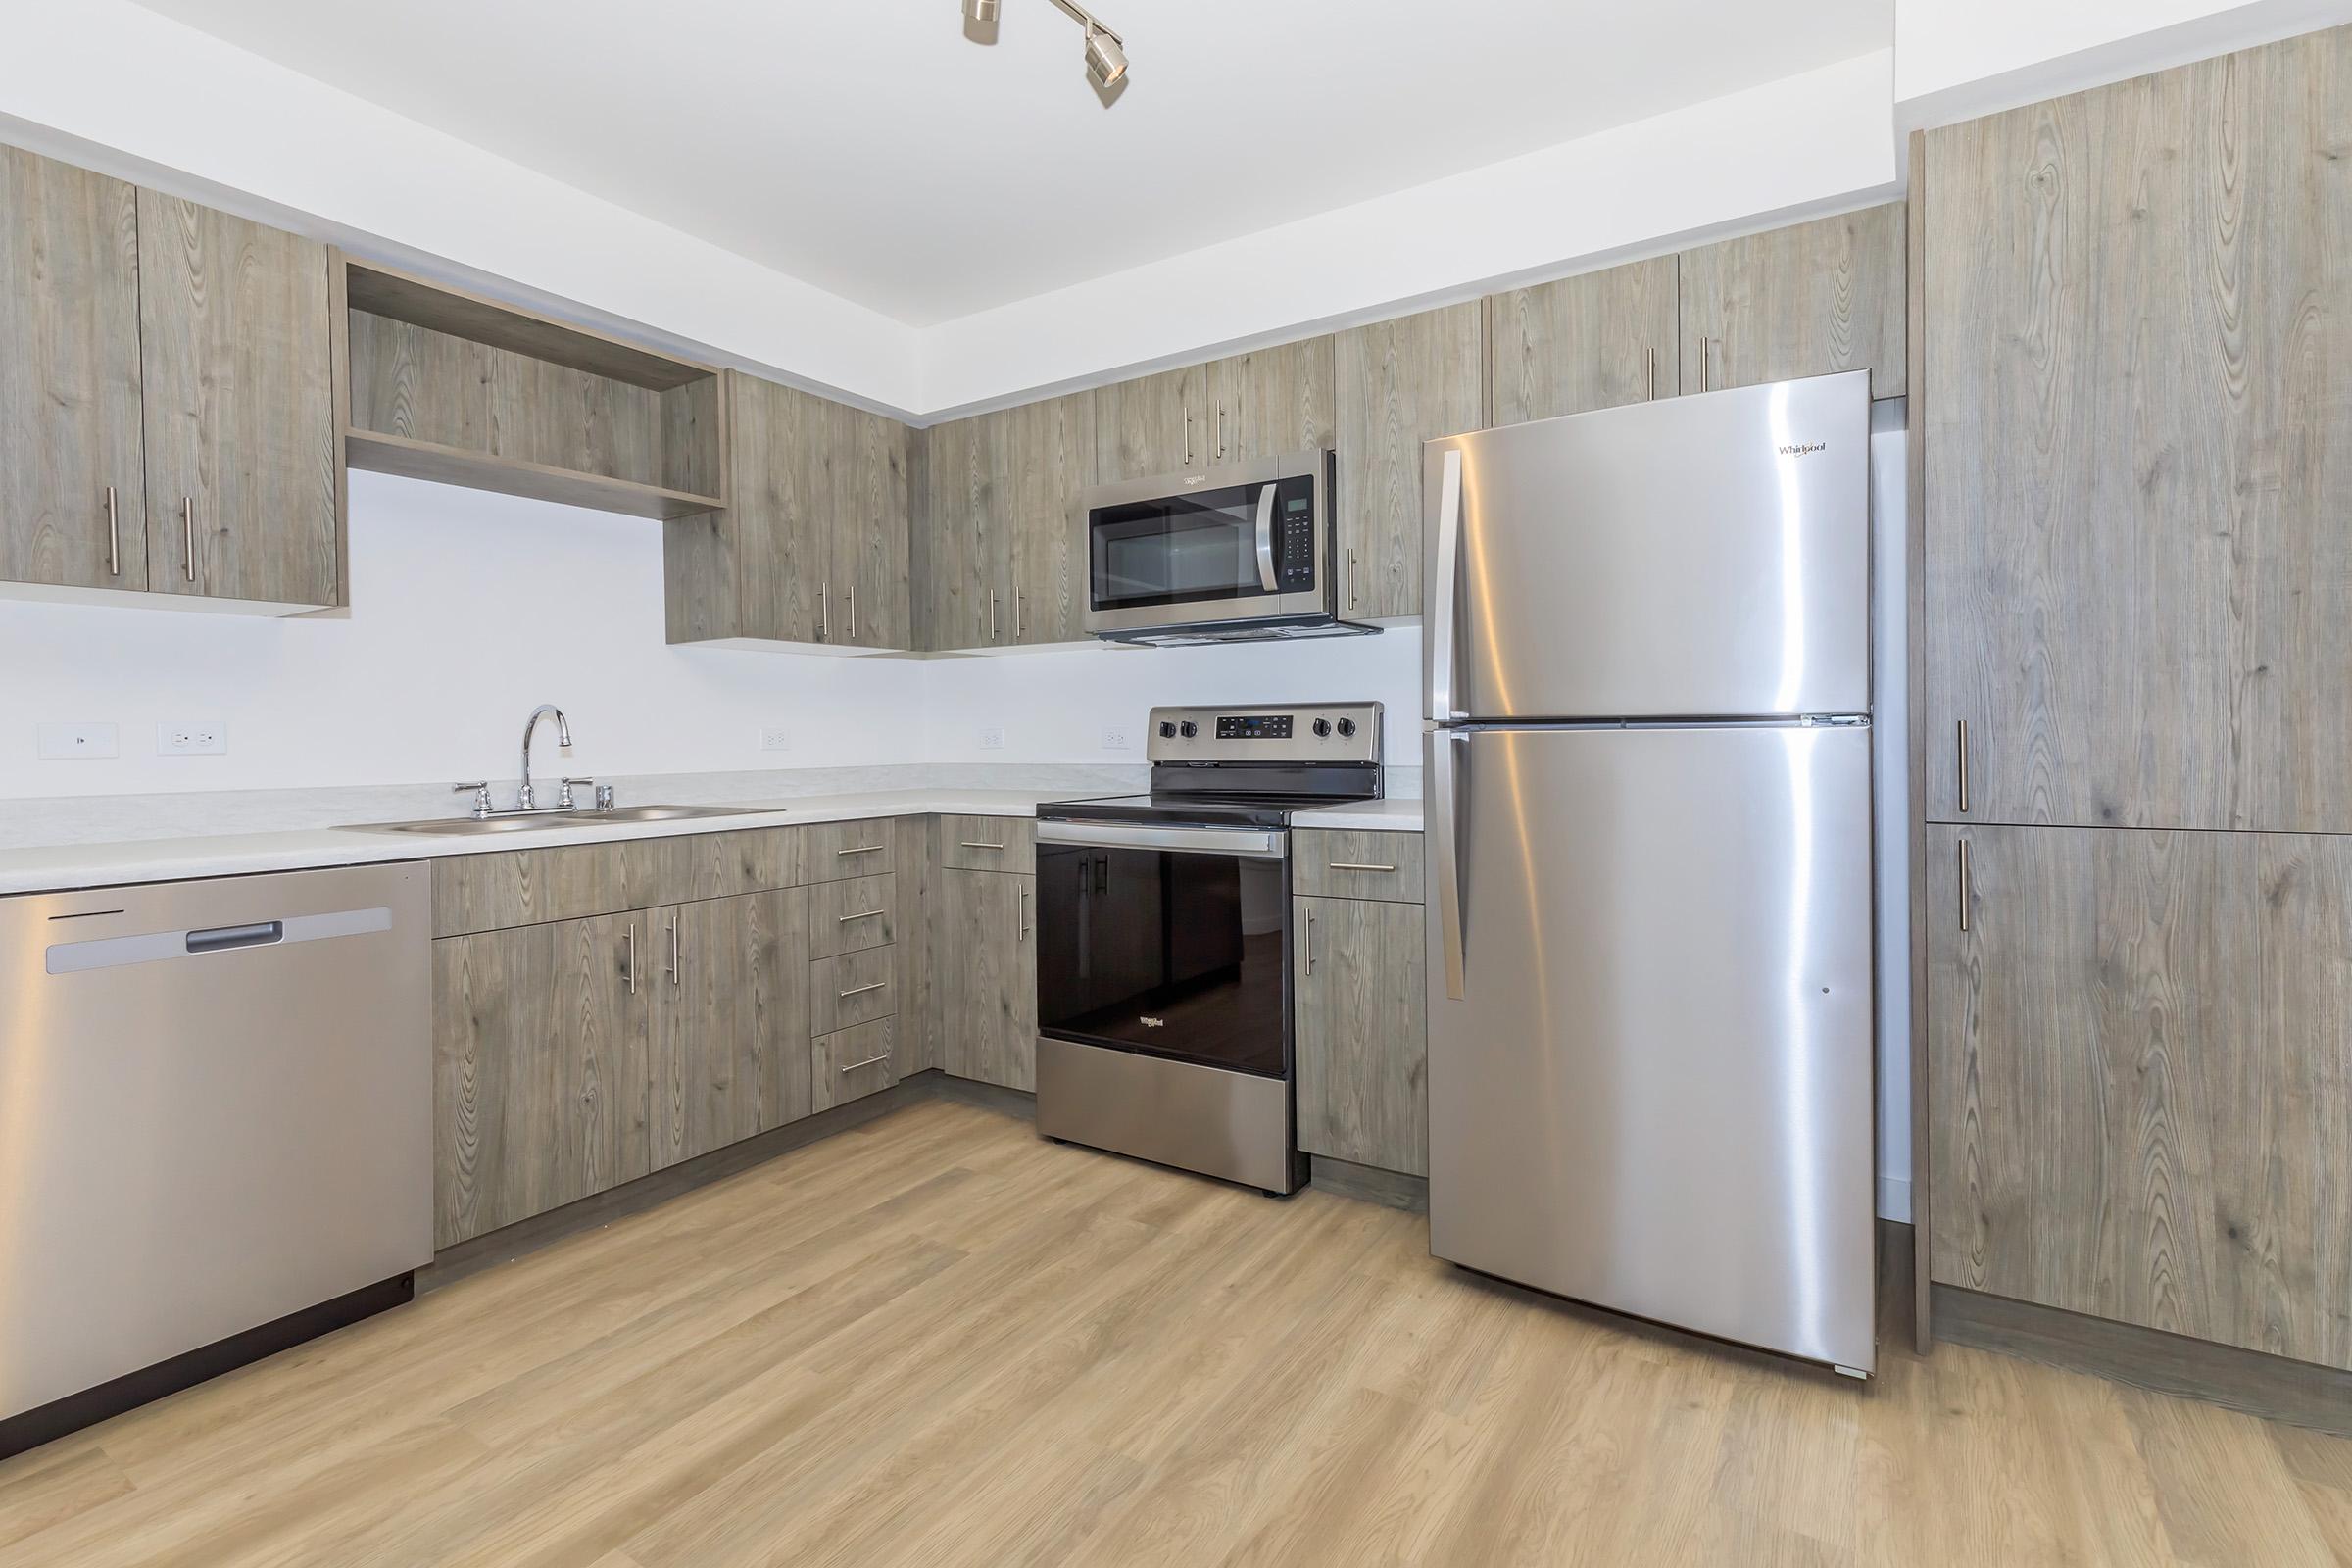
[1395,814]
[63,868]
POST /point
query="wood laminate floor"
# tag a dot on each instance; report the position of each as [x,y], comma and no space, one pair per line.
[941,1339]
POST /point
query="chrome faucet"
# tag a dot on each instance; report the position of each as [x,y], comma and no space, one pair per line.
[530,727]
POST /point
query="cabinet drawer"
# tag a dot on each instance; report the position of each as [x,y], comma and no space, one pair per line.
[851,1063]
[1347,864]
[852,989]
[509,888]
[988,843]
[840,850]
[851,916]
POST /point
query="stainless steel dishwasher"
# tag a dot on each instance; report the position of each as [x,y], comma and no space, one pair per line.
[216,1128]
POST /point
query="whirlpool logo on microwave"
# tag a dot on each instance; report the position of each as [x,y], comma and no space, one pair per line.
[1801,448]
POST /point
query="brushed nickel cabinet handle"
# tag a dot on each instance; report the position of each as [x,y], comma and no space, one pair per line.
[1650,373]
[1020,616]
[1188,440]
[979,843]
[862,914]
[187,534]
[1310,942]
[1023,935]
[114,537]
[1220,436]
[825,611]
[852,612]
[992,608]
[674,955]
[867,1062]
[1964,879]
[632,957]
[860,991]
[860,849]
[1356,865]
[1963,746]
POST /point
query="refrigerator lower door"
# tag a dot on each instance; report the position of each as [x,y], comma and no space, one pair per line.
[1654,1092]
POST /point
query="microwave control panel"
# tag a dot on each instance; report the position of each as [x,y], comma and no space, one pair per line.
[1295,531]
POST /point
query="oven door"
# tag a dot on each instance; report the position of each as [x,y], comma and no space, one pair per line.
[1248,542]
[1167,941]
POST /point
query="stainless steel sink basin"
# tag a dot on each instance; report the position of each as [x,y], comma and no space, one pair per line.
[469,826]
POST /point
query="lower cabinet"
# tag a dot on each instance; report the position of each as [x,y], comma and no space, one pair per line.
[730,1021]
[851,1063]
[1362,1031]
[985,972]
[2139,1085]
[543,1069]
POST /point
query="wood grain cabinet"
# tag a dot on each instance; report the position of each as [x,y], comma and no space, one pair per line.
[1155,425]
[813,547]
[1362,1031]
[2138,380]
[543,1069]
[1000,526]
[730,1023]
[167,405]
[1262,404]
[984,971]
[2143,1093]
[1396,384]
[1592,341]
[1808,299]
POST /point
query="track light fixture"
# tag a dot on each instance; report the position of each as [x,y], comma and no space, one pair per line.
[1106,50]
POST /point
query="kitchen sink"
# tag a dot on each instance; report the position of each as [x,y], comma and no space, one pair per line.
[469,826]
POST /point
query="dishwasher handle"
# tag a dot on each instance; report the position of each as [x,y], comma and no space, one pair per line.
[222,937]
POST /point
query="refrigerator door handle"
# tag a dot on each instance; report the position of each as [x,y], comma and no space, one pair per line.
[1449,549]
[1266,538]
[1443,783]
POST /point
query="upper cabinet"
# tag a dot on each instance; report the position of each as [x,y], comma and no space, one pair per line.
[1001,524]
[965,532]
[1592,341]
[72,486]
[812,546]
[167,396]
[1154,425]
[1806,300]
[2139,371]
[236,366]
[1396,384]
[1050,459]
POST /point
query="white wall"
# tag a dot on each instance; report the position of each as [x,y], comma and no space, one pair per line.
[471,608]
[1814,142]
[113,86]
[1958,59]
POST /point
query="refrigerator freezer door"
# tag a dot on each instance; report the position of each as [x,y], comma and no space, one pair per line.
[1699,557]
[1656,1091]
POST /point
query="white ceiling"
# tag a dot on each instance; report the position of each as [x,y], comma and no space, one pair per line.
[869,148]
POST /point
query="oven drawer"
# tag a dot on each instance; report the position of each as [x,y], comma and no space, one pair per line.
[1349,864]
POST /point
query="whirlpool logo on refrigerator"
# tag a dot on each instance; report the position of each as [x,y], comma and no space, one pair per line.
[1803,449]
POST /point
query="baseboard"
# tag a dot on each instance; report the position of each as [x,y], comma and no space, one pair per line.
[471,1256]
[1369,1184]
[2297,1393]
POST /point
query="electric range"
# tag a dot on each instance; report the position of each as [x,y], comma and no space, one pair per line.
[1163,925]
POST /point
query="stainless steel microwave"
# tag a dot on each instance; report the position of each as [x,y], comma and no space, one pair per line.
[1232,553]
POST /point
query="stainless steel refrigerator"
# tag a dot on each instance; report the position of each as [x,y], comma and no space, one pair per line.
[1650,1054]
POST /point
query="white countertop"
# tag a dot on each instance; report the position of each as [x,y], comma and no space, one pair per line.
[1395,814]
[94,854]
[62,866]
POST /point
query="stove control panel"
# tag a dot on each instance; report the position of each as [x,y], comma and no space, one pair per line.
[1303,732]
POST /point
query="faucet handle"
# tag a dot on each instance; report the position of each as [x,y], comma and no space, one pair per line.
[565,800]
[481,795]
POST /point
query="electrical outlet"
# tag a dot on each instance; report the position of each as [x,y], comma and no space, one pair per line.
[992,740]
[192,738]
[775,738]
[70,742]
[1115,739]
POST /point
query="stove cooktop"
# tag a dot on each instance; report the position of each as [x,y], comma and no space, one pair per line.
[1207,810]
[1246,766]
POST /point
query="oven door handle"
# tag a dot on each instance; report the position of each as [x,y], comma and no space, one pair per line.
[1249,843]
[1265,537]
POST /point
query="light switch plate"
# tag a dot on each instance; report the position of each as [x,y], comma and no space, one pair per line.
[73,742]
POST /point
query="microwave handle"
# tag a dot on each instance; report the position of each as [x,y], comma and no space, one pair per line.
[1265,537]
